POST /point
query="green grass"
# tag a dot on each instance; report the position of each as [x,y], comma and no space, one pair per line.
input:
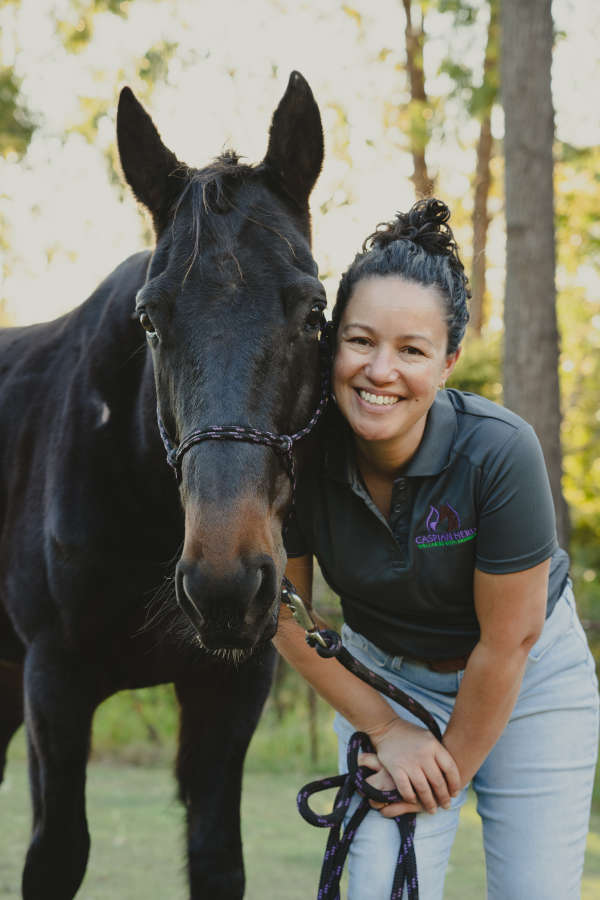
[137,846]
[137,826]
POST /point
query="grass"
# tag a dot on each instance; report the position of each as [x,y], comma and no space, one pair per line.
[137,845]
[137,826]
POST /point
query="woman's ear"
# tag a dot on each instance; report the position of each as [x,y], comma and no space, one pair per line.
[450,363]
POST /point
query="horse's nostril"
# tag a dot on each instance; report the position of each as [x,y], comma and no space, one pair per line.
[188,596]
[184,598]
[228,609]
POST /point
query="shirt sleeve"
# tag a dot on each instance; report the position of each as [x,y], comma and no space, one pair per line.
[516,528]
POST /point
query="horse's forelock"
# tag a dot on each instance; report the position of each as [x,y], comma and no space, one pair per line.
[209,194]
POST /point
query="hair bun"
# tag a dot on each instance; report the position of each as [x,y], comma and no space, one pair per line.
[425,224]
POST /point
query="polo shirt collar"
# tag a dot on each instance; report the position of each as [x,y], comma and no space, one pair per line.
[432,455]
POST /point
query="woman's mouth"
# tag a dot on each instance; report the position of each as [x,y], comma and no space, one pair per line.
[377,399]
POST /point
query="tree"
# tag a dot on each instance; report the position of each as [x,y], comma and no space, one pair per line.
[531,386]
[478,101]
[420,111]
[483,103]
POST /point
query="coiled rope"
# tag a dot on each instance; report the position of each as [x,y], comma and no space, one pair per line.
[329,644]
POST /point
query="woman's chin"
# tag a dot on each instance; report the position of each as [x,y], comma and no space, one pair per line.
[375,431]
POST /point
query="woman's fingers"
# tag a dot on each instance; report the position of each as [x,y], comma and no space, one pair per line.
[414,788]
[381,781]
[423,791]
[405,788]
[391,810]
[370,760]
[438,785]
[450,770]
[420,767]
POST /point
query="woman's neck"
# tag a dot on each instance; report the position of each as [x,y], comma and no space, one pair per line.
[383,459]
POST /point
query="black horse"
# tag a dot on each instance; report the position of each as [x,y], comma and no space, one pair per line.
[92,522]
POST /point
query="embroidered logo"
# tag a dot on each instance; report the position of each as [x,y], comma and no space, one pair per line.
[440,536]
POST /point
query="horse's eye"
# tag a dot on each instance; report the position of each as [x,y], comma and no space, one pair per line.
[314,318]
[146,323]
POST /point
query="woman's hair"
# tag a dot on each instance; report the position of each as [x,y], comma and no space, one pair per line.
[419,247]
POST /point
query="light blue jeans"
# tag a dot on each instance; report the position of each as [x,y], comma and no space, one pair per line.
[533,790]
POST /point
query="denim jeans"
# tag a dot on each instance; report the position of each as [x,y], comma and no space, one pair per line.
[533,790]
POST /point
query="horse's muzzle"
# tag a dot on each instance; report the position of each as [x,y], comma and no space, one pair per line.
[232,609]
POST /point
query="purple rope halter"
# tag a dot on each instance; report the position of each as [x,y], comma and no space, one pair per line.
[281,443]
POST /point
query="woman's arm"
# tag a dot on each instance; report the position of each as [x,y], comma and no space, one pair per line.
[427,770]
[511,611]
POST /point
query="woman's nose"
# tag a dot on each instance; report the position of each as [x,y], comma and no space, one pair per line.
[382,365]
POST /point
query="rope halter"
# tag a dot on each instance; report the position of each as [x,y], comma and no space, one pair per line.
[283,444]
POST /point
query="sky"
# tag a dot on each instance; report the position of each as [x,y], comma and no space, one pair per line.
[67,226]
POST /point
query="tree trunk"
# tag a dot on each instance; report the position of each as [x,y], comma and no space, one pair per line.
[277,685]
[531,386]
[483,175]
[480,225]
[415,38]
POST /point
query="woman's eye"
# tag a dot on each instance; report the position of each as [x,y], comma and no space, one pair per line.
[361,341]
[146,323]
[314,318]
[412,351]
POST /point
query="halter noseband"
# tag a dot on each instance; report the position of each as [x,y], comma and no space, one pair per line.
[281,443]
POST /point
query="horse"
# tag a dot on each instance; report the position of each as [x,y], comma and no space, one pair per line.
[114,574]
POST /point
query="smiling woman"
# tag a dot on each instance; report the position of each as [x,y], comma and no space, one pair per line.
[431,515]
[391,358]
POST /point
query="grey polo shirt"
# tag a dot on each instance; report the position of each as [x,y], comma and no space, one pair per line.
[474,495]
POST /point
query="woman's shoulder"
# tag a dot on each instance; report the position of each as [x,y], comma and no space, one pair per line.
[485,428]
[475,405]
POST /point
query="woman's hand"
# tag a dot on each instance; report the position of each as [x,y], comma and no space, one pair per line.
[412,760]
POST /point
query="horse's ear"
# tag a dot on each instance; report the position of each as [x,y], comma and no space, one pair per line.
[295,151]
[149,167]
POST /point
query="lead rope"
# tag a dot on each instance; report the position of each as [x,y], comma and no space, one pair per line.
[328,644]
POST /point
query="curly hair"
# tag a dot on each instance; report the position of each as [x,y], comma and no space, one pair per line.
[419,247]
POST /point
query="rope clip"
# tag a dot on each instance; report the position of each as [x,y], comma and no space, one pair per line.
[303,617]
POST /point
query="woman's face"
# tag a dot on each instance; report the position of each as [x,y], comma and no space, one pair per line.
[390,360]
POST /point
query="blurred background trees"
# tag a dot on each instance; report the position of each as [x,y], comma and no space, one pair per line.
[530,373]
[414,100]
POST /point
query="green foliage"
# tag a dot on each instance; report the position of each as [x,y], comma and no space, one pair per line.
[77,30]
[283,743]
[137,726]
[464,13]
[154,65]
[578,250]
[477,98]
[479,367]
[16,121]
[577,197]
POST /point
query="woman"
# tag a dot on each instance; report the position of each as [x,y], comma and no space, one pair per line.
[431,516]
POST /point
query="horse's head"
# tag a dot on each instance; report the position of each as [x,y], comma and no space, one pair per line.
[232,308]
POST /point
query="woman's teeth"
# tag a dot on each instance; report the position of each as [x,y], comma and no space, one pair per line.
[379,399]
